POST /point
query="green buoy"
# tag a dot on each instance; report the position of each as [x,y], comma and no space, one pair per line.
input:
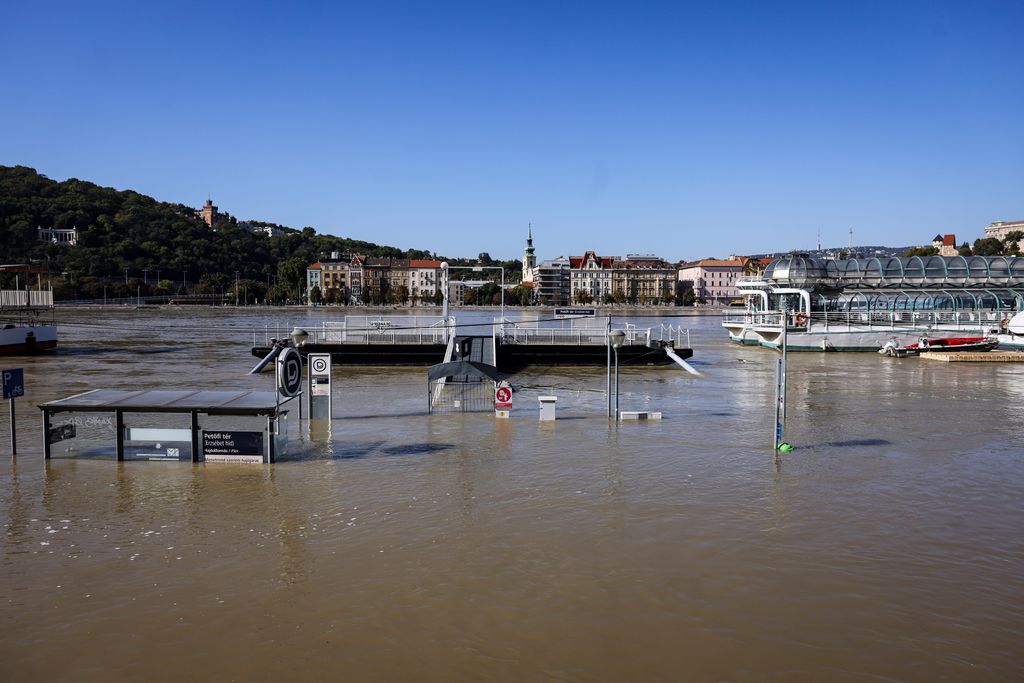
[785,447]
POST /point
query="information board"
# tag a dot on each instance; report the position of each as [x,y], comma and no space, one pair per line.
[60,433]
[575,312]
[221,446]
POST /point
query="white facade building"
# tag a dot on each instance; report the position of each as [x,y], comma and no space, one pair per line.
[591,277]
[424,278]
[1000,229]
[68,236]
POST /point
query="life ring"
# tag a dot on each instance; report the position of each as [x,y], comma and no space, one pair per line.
[800,319]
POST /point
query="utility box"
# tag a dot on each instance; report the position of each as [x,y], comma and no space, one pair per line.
[320,403]
[547,407]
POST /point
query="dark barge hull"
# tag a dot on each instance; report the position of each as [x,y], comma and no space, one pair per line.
[511,357]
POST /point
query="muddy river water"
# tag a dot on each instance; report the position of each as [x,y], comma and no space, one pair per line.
[402,546]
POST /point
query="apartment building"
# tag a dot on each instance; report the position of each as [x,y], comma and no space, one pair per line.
[641,278]
[551,282]
[713,280]
[424,279]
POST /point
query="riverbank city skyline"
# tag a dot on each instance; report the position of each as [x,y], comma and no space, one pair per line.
[677,129]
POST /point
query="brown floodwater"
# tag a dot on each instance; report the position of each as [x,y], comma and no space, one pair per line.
[403,546]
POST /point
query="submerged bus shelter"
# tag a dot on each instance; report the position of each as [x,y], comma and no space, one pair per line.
[197,425]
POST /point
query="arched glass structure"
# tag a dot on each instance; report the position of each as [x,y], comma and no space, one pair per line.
[927,272]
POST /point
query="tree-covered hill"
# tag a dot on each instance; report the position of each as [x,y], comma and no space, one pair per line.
[125,230]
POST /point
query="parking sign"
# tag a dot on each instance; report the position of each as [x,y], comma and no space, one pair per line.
[14,383]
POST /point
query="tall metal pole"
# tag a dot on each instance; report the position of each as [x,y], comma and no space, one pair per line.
[444,300]
[616,349]
[785,362]
[608,379]
[777,427]
[236,289]
[14,431]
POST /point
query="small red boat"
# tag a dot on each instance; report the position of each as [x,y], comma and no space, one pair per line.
[892,347]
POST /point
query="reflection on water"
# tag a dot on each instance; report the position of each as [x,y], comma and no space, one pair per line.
[397,545]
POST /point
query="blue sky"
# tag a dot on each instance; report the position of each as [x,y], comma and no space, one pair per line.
[682,129]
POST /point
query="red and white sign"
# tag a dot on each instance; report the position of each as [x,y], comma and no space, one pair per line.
[503,398]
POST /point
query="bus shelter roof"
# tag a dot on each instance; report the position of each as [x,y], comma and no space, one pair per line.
[226,402]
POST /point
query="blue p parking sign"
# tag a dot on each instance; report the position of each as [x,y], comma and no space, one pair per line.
[14,383]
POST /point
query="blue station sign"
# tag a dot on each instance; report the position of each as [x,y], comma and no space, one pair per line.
[14,383]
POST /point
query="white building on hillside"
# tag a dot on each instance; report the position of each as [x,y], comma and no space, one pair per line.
[1000,229]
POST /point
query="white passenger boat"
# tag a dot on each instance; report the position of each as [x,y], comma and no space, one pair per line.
[1011,332]
[862,304]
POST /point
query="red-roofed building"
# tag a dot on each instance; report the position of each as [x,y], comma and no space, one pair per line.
[713,280]
[946,244]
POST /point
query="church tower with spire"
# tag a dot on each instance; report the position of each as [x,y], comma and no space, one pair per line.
[529,260]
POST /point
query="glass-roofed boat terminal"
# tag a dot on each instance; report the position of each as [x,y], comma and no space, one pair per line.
[851,304]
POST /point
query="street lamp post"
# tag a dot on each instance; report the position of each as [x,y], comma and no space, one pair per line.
[617,337]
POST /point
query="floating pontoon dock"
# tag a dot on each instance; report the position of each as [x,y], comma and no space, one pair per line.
[510,345]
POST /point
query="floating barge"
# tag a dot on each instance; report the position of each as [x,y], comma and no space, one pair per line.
[508,345]
[23,329]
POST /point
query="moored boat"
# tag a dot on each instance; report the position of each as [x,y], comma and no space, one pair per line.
[925,345]
[1011,333]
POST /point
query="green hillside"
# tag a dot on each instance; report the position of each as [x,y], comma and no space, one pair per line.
[121,230]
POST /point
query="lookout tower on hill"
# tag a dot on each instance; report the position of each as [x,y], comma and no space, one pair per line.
[209,212]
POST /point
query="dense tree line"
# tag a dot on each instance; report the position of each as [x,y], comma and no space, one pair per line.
[157,247]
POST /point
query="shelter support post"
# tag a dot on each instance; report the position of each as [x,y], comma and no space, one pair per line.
[195,436]
[272,426]
[119,434]
[46,434]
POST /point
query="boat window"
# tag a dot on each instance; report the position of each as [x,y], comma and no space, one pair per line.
[914,270]
[999,267]
[894,269]
[957,267]
[872,271]
[1017,270]
[943,301]
[935,269]
[851,271]
[978,266]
